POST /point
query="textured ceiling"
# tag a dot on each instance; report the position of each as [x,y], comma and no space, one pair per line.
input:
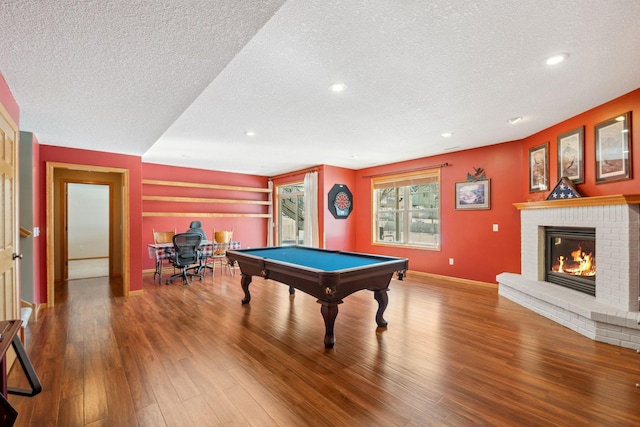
[180,82]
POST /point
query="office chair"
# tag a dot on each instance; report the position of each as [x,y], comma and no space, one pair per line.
[196,227]
[162,237]
[187,255]
[222,240]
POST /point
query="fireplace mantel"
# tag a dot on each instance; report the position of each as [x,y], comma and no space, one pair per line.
[616,199]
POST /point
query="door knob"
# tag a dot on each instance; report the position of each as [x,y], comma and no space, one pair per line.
[17,256]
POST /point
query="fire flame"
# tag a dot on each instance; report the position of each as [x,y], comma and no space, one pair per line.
[582,264]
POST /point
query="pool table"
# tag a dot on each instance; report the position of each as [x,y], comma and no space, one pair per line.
[328,275]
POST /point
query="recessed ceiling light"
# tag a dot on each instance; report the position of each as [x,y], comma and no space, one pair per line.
[355,156]
[249,133]
[556,59]
[446,134]
[337,87]
[620,119]
[514,120]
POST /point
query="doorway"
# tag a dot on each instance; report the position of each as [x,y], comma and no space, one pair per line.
[291,214]
[56,176]
[87,226]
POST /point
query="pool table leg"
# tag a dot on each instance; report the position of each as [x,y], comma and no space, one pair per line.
[383,299]
[329,313]
[245,281]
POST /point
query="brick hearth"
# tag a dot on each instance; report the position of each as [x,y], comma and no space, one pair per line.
[611,316]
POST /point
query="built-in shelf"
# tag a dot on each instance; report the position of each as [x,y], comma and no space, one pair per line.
[208,214]
[205,200]
[208,186]
[208,200]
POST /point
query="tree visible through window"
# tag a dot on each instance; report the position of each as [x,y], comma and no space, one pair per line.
[407,209]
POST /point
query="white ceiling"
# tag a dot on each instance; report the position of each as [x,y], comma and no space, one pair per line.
[179,82]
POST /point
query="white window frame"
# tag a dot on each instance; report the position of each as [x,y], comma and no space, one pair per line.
[279,196]
[405,180]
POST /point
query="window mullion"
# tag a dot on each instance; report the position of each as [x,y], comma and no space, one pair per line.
[405,215]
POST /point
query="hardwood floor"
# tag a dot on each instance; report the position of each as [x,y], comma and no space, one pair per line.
[452,355]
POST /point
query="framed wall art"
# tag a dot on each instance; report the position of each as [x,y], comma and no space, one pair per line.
[613,149]
[539,168]
[473,194]
[571,155]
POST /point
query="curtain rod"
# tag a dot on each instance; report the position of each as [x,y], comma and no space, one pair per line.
[407,170]
[284,175]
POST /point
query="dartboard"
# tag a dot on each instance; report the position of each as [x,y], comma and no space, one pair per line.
[342,201]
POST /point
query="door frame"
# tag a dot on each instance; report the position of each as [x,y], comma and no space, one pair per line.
[50,222]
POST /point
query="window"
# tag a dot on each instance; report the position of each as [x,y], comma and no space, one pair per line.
[291,215]
[407,209]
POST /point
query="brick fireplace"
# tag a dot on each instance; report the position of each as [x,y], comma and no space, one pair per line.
[612,315]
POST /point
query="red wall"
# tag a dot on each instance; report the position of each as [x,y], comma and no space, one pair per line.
[588,119]
[467,236]
[8,101]
[251,232]
[85,157]
[339,234]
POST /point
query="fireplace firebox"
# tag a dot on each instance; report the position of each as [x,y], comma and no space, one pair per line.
[570,258]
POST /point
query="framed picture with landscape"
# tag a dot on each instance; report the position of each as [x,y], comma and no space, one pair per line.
[539,168]
[473,194]
[571,155]
[613,149]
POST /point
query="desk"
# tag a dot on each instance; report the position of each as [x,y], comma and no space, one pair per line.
[9,337]
[162,251]
[327,275]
